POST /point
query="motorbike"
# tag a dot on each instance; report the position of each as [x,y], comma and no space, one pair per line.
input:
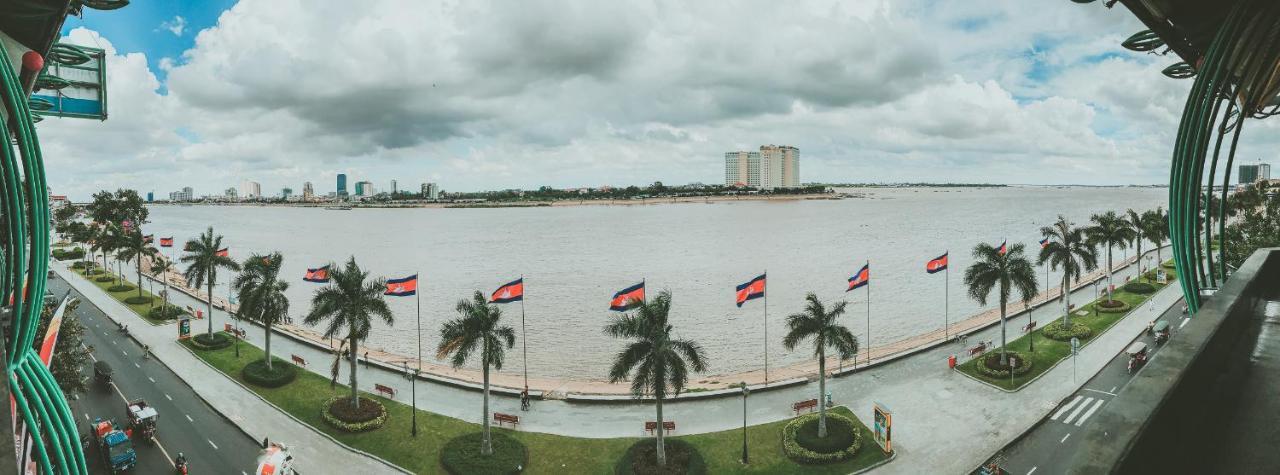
[180,468]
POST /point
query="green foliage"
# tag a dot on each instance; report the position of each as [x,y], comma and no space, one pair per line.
[139,299]
[104,278]
[461,455]
[215,341]
[1112,306]
[280,374]
[1057,331]
[78,265]
[70,356]
[990,363]
[801,443]
[162,312]
[117,208]
[641,459]
[122,287]
[64,255]
[337,412]
[1139,288]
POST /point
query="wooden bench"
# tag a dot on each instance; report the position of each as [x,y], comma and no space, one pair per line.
[385,390]
[667,426]
[298,360]
[802,405]
[501,418]
[1028,327]
[978,349]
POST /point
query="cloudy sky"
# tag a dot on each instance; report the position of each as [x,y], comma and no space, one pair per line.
[479,95]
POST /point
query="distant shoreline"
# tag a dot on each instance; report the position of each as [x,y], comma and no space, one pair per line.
[534,204]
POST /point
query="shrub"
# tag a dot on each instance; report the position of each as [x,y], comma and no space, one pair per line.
[1139,288]
[990,366]
[63,254]
[216,341]
[105,278]
[78,265]
[801,444]
[164,312]
[1056,331]
[120,288]
[281,373]
[1169,265]
[461,455]
[337,411]
[642,458]
[1112,306]
[138,300]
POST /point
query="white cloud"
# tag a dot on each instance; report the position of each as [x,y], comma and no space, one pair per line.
[176,26]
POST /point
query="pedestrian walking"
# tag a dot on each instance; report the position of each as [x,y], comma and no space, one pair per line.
[366,359]
[524,399]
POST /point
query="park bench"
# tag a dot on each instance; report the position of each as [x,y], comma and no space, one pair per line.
[1028,327]
[803,405]
[501,418]
[667,426]
[385,390]
[298,360]
[978,349]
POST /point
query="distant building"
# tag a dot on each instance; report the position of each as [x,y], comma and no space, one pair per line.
[342,185]
[231,194]
[151,196]
[181,196]
[431,191]
[58,201]
[1252,173]
[286,192]
[308,193]
[250,190]
[393,187]
[774,166]
[364,189]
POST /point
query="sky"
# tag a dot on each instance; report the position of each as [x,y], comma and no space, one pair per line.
[478,95]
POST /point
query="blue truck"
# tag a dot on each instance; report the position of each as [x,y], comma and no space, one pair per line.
[114,445]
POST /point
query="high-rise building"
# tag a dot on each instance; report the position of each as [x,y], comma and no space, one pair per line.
[230,194]
[393,187]
[151,196]
[1255,172]
[286,192]
[180,196]
[308,193]
[431,191]
[774,166]
[342,185]
[364,188]
[250,190]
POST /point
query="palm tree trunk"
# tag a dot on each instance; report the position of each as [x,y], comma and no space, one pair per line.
[139,259]
[266,323]
[1139,258]
[355,389]
[1109,282]
[1004,357]
[209,306]
[486,443]
[662,449]
[1066,298]
[822,393]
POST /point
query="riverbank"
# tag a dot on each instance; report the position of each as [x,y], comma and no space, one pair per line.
[707,199]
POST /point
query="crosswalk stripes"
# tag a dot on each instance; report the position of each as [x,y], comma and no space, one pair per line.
[1082,407]
[1088,413]
[1065,408]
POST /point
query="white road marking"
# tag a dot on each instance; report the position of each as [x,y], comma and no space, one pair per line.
[113,342]
[126,353]
[215,447]
[1113,389]
[94,358]
[166,396]
[1184,323]
[1065,408]
[86,416]
[166,453]
[1088,413]
[1076,412]
[153,380]
[1064,438]
[136,365]
[1098,391]
[1033,470]
[189,418]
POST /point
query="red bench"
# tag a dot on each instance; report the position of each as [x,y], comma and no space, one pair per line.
[977,349]
[385,390]
[298,360]
[802,405]
[501,418]
[667,426]
[1028,327]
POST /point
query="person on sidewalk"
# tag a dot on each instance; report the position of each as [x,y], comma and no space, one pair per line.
[524,399]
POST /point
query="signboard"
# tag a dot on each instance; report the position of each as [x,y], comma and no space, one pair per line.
[883,427]
[184,328]
[1075,345]
[72,84]
[1162,277]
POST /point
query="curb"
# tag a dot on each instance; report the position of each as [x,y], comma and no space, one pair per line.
[892,456]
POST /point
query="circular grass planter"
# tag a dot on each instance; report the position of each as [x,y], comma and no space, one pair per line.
[138,300]
[990,364]
[1112,306]
[280,374]
[337,412]
[164,313]
[120,288]
[217,341]
[105,278]
[642,459]
[1139,288]
[801,443]
[1056,331]
[461,455]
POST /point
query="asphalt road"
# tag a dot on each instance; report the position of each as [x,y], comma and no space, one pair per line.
[1048,447]
[186,424]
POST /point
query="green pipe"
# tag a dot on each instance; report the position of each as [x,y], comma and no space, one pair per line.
[24,411]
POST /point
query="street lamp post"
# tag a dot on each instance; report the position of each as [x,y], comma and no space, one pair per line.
[745,392]
[1095,298]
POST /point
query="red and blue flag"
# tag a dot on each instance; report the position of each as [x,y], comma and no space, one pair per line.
[1044,243]
[166,242]
[319,275]
[860,278]
[937,264]
[509,292]
[402,287]
[224,252]
[753,289]
[1004,248]
[628,298]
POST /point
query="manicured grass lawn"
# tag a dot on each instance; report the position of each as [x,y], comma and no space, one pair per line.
[1048,352]
[140,309]
[549,454]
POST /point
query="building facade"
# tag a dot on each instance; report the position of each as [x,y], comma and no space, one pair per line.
[364,188]
[308,192]
[774,166]
[231,194]
[1251,173]
[184,195]
[394,189]
[250,190]
[342,185]
[431,191]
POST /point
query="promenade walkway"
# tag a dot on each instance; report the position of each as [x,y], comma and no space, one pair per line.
[944,422]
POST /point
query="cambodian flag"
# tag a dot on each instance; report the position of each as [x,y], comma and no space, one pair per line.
[936,265]
[1004,248]
[319,275]
[1044,243]
[509,292]
[628,298]
[861,278]
[166,242]
[224,252]
[148,238]
[753,289]
[402,287]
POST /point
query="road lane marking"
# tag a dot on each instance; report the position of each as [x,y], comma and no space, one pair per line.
[1076,412]
[113,342]
[215,447]
[1113,388]
[1064,438]
[94,358]
[1099,391]
[136,365]
[1184,323]
[1088,413]
[126,353]
[167,458]
[1065,408]
[86,416]
[166,396]
[1033,470]
[189,418]
[153,380]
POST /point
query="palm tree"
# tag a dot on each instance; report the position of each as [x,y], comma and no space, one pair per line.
[1138,235]
[1067,249]
[161,266]
[133,245]
[660,361]
[261,294]
[1003,271]
[348,303]
[108,241]
[1109,229]
[1155,225]
[477,328]
[203,260]
[820,324]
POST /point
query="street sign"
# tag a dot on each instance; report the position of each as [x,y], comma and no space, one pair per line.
[1162,277]
[73,83]
[184,328]
[1075,345]
[883,431]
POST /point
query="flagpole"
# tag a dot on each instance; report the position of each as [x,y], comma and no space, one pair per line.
[946,299]
[868,311]
[524,336]
[413,385]
[766,327]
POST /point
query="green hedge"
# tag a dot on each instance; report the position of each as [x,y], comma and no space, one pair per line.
[78,265]
[1105,306]
[1056,331]
[792,446]
[138,300]
[641,458]
[217,341]
[281,373]
[165,312]
[63,254]
[120,288]
[105,278]
[461,455]
[340,424]
[1000,373]
[1139,288]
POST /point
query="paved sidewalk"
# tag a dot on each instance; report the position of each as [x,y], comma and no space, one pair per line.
[313,452]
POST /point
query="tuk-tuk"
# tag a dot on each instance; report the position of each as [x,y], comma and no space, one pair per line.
[1161,331]
[142,419]
[102,372]
[1137,355]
